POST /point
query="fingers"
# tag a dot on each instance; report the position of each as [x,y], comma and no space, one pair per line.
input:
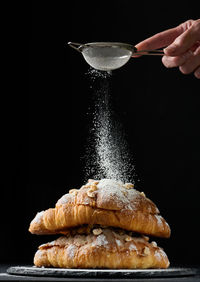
[163,38]
[184,41]
[183,49]
[176,61]
[188,62]
[159,40]
[191,64]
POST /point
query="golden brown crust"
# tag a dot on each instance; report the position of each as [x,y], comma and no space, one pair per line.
[106,203]
[104,248]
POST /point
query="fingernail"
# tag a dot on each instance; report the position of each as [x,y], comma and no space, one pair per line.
[170,49]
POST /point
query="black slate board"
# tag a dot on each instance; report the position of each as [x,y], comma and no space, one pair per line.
[102,273]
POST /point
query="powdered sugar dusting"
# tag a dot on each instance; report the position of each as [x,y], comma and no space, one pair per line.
[107,152]
[86,201]
[132,247]
[38,217]
[101,240]
[158,254]
[40,254]
[159,221]
[71,251]
[112,189]
[119,243]
[65,199]
[163,254]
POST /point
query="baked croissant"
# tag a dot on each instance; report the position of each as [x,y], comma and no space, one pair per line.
[105,202]
[102,248]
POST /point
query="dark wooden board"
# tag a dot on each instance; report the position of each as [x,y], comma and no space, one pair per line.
[102,273]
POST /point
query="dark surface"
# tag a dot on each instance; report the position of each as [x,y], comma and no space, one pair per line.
[45,124]
[103,273]
[7,277]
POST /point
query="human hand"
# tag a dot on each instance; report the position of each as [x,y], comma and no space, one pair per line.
[183,46]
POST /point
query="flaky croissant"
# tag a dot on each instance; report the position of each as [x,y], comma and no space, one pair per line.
[105,202]
[103,248]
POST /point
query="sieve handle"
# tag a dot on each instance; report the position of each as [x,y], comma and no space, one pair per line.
[75,45]
[149,53]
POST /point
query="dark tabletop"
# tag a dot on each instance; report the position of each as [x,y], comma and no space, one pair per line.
[7,277]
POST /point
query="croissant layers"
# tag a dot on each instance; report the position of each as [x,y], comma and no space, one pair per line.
[112,207]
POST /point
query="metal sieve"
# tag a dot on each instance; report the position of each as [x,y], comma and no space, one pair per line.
[109,56]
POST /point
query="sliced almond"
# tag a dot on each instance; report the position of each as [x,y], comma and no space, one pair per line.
[146,251]
[85,186]
[91,193]
[73,191]
[146,238]
[125,193]
[128,185]
[97,231]
[142,193]
[79,242]
[154,244]
[128,239]
[93,187]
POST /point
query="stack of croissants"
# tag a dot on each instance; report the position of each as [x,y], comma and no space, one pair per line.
[104,224]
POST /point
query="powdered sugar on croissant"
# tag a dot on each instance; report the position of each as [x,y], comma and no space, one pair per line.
[109,248]
[106,202]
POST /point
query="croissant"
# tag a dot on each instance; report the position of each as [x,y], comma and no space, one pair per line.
[102,248]
[106,202]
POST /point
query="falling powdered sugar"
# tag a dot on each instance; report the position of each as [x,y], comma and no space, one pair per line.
[107,152]
[94,74]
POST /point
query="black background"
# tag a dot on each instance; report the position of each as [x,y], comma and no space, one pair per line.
[45,127]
